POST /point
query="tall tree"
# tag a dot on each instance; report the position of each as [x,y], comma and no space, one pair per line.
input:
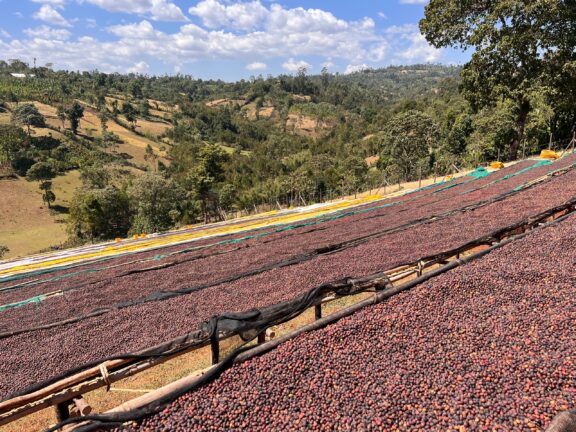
[28,115]
[43,173]
[130,113]
[157,203]
[99,213]
[408,145]
[519,47]
[203,178]
[74,113]
[61,114]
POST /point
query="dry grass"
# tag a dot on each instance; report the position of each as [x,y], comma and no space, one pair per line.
[225,102]
[303,125]
[155,128]
[264,112]
[27,224]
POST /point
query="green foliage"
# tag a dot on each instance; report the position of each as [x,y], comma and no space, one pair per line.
[43,173]
[519,47]
[74,113]
[99,213]
[12,139]
[205,175]
[130,113]
[40,172]
[408,145]
[157,203]
[223,159]
[94,177]
[3,251]
[28,115]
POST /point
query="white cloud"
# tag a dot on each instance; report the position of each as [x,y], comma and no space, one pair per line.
[139,68]
[413,1]
[239,16]
[45,32]
[50,15]
[295,65]
[4,34]
[328,64]
[350,69]
[417,48]
[256,66]
[382,15]
[57,3]
[271,32]
[158,10]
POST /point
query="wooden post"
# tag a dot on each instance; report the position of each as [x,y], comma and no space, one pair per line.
[215,348]
[419,176]
[524,149]
[62,411]
[262,338]
[318,311]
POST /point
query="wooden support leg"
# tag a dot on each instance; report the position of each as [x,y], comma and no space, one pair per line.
[262,338]
[419,271]
[215,348]
[62,411]
[318,311]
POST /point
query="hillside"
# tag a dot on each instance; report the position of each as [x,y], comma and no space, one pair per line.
[215,150]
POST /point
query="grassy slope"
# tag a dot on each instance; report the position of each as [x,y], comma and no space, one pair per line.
[27,224]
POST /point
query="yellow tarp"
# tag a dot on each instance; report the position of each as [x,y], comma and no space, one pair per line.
[497,165]
[549,154]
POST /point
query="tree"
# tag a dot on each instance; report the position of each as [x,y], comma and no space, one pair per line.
[150,156]
[12,139]
[520,46]
[156,202]
[99,214]
[130,113]
[3,251]
[408,144]
[95,177]
[28,115]
[103,116]
[206,174]
[143,108]
[61,114]
[74,113]
[135,88]
[43,173]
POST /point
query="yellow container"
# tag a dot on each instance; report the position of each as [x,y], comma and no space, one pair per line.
[549,154]
[496,165]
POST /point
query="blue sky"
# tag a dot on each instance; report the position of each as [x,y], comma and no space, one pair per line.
[227,39]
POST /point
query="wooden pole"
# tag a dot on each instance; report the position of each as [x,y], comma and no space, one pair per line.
[318,311]
[419,176]
[215,348]
[62,411]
